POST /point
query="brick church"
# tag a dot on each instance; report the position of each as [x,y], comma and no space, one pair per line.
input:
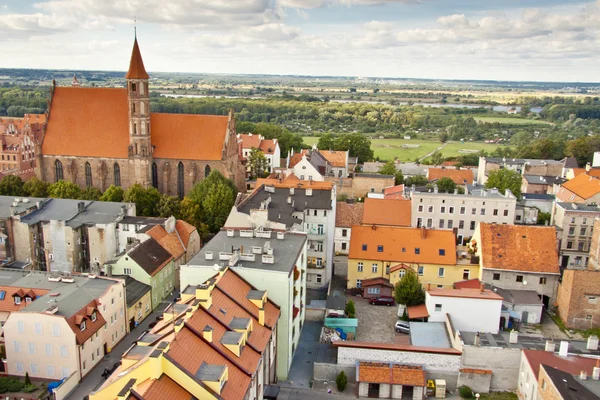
[108,136]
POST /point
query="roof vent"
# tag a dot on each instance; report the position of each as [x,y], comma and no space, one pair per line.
[229,232]
[208,255]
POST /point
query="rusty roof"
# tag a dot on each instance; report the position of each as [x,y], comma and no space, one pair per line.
[391,373]
[136,64]
[458,176]
[518,248]
[409,245]
[387,212]
[337,158]
[583,185]
[347,215]
[166,388]
[570,364]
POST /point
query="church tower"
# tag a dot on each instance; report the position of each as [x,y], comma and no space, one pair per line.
[138,97]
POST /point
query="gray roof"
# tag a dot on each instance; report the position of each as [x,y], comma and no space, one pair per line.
[210,373]
[570,162]
[571,388]
[336,301]
[143,220]
[373,176]
[134,290]
[538,196]
[429,334]
[239,323]
[150,255]
[7,209]
[472,191]
[543,180]
[518,297]
[578,207]
[285,251]
[279,210]
[230,337]
[520,161]
[94,212]
[408,169]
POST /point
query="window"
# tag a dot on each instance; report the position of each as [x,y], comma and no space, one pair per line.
[133,87]
[506,213]
[582,231]
[473,211]
[34,369]
[430,209]
[320,229]
[58,171]
[117,174]
[420,270]
[496,276]
[417,250]
[419,222]
[358,283]
[402,273]
[319,262]
[65,372]
[180,180]
[93,357]
[344,232]
[450,210]
[364,247]
[48,349]
[466,275]
[2,294]
[472,225]
[461,224]
[519,278]
[373,290]
[31,347]
[450,224]
[38,328]
[20,325]
[573,220]
[569,245]
[543,280]
[315,213]
[483,211]
[442,210]
[154,175]
[584,221]
[429,223]
[82,326]
[442,252]
[94,316]
[17,346]
[50,369]
[572,230]
[17,299]
[360,267]
[495,211]
[441,224]
[462,211]
[19,366]
[88,174]
[380,249]
[420,209]
[441,272]
[580,246]
[438,307]
[127,271]
[374,268]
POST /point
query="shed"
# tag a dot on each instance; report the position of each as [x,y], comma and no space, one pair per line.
[376,287]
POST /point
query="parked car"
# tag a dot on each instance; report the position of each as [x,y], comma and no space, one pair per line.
[402,327]
[382,301]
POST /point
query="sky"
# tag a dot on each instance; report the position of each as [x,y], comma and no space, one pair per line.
[533,40]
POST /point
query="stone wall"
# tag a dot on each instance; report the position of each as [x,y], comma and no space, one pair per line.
[578,300]
[360,185]
[478,380]
[503,362]
[434,361]
[329,372]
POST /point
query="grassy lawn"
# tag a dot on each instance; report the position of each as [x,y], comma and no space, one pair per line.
[510,121]
[388,149]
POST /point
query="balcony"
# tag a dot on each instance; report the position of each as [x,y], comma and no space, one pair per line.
[296,273]
[315,266]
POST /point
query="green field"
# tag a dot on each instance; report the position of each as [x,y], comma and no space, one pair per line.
[510,121]
[388,149]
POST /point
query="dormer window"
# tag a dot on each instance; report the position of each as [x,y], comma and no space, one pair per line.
[82,326]
[17,299]
[27,299]
[94,316]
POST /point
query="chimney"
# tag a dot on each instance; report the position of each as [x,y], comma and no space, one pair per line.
[514,337]
[207,333]
[435,189]
[550,346]
[482,287]
[477,339]
[109,270]
[583,375]
[80,206]
[170,224]
[588,167]
[428,286]
[592,343]
[596,371]
[564,348]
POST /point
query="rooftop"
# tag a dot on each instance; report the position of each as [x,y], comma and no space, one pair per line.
[390,373]
[17,205]
[285,251]
[429,334]
[465,293]
[77,212]
[387,212]
[520,161]
[543,180]
[151,256]
[458,176]
[579,207]
[473,191]
[132,220]
[348,215]
[572,388]
[134,290]
[583,185]
[538,196]
[337,158]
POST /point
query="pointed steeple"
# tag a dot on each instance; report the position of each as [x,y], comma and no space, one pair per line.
[136,65]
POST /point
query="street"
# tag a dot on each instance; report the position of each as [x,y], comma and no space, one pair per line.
[94,378]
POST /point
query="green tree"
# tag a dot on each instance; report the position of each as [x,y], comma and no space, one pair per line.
[444,137]
[90,193]
[27,379]
[11,185]
[357,144]
[285,138]
[417,180]
[409,291]
[258,163]
[543,218]
[244,126]
[503,179]
[36,188]
[64,190]
[341,381]
[389,168]
[446,184]
[326,142]
[583,149]
[190,212]
[146,200]
[113,193]
[436,158]
[350,309]
[169,206]
[214,197]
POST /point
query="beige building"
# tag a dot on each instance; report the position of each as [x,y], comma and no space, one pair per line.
[139,301]
[574,225]
[521,165]
[67,330]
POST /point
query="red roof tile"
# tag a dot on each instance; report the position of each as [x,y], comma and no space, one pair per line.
[184,230]
[387,212]
[458,176]
[297,157]
[337,158]
[7,304]
[419,311]
[90,326]
[347,215]
[249,140]
[469,284]
[166,388]
[570,364]
[169,241]
[376,281]
[267,146]
[375,372]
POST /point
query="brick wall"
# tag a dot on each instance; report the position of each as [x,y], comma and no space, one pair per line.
[443,362]
[579,299]
[359,186]
[594,260]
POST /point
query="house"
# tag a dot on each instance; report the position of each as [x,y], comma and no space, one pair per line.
[471,310]
[530,371]
[518,257]
[578,297]
[387,212]
[526,215]
[570,165]
[309,165]
[458,176]
[521,165]
[20,138]
[387,252]
[574,223]
[139,301]
[543,202]
[376,287]
[436,210]
[394,192]
[149,263]
[538,184]
[346,216]
[554,384]
[68,330]
[339,161]
[11,210]
[581,189]
[218,342]
[297,206]
[275,262]
[269,147]
[390,380]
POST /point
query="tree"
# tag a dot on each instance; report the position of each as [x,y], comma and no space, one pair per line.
[389,168]
[583,149]
[341,381]
[146,200]
[326,142]
[169,206]
[214,197]
[258,163]
[436,158]
[417,180]
[357,144]
[64,190]
[113,193]
[285,138]
[503,179]
[446,184]
[11,185]
[408,291]
[36,188]
[350,309]
[543,218]
[444,137]
[90,193]
[27,379]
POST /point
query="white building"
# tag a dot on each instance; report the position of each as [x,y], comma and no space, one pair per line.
[275,262]
[462,211]
[471,310]
[574,224]
[346,216]
[307,171]
[269,147]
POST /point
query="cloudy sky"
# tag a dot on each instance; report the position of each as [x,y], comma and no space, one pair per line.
[540,40]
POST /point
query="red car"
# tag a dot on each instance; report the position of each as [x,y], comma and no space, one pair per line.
[382,301]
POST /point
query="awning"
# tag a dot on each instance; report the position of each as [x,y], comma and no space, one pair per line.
[419,311]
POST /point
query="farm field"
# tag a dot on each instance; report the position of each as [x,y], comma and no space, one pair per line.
[388,149]
[511,121]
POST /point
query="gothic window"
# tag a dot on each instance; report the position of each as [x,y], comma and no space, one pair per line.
[154,175]
[134,129]
[58,170]
[117,171]
[88,174]
[206,171]
[180,181]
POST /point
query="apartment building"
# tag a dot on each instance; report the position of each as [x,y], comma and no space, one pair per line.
[436,210]
[269,147]
[297,206]
[388,252]
[521,165]
[347,215]
[275,262]
[218,342]
[575,225]
[518,257]
[19,137]
[67,330]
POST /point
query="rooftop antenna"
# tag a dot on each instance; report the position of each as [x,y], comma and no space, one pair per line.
[135,27]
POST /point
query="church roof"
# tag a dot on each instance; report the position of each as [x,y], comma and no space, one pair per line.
[136,65]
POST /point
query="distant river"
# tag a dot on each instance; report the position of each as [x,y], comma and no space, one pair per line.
[500,108]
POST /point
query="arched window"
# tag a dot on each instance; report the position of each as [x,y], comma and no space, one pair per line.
[117,171]
[58,171]
[206,171]
[154,175]
[88,174]
[180,181]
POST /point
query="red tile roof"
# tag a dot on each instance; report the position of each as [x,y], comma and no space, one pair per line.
[394,192]
[249,140]
[267,146]
[376,281]
[376,372]
[399,266]
[297,157]
[583,185]
[184,230]
[570,364]
[347,215]
[169,241]
[387,212]
[419,311]
[166,388]
[337,158]
[293,181]
[458,176]
[91,327]
[136,64]
[469,284]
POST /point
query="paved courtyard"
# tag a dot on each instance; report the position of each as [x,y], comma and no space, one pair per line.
[375,323]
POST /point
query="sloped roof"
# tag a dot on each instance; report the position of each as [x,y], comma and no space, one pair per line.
[347,215]
[293,181]
[568,386]
[91,327]
[387,212]
[7,301]
[375,282]
[419,311]
[136,64]
[166,388]
[391,373]
[267,146]
[169,241]
[519,248]
[583,185]
[249,140]
[394,192]
[458,176]
[337,158]
[570,364]
[184,230]
[151,256]
[297,157]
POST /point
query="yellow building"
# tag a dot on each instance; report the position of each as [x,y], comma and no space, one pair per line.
[139,301]
[388,252]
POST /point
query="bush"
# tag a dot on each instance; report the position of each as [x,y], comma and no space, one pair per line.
[29,388]
[350,310]
[341,381]
[465,392]
[27,379]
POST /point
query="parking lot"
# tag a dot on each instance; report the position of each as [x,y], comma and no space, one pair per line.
[376,323]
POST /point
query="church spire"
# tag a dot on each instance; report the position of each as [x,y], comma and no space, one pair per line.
[136,65]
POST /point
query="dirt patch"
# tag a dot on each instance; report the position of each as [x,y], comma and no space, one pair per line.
[375,323]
